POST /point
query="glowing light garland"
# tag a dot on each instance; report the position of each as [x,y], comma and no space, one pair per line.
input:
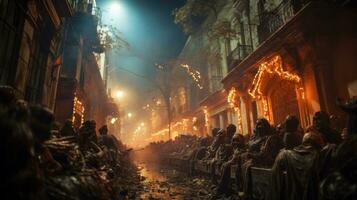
[205,111]
[232,101]
[273,66]
[194,74]
[77,108]
[266,109]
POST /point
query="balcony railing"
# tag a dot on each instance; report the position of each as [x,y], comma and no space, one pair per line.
[270,21]
[238,55]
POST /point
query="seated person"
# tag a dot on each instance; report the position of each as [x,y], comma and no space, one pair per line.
[225,150]
[321,124]
[341,182]
[263,147]
[217,141]
[301,165]
[291,135]
[239,147]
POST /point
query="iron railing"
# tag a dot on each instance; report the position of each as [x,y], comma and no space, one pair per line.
[270,21]
[237,55]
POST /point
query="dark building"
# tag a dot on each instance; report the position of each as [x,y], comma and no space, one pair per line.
[30,35]
[81,91]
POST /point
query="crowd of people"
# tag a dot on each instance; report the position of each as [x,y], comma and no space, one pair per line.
[41,160]
[317,163]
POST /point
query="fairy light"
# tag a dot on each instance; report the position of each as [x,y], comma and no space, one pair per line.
[233,103]
[273,66]
[232,97]
[194,74]
[265,108]
[205,111]
[77,108]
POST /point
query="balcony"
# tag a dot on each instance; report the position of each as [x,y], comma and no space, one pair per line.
[238,55]
[271,21]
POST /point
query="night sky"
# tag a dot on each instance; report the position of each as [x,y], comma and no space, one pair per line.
[153,37]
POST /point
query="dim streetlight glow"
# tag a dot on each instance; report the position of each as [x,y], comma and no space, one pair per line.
[119,94]
[113,120]
[142,124]
[115,7]
[130,115]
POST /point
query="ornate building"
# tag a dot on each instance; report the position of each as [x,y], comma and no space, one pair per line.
[301,60]
[274,58]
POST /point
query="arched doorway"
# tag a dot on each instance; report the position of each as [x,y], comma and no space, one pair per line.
[284,101]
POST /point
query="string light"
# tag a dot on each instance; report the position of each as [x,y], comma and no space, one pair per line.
[78,108]
[205,111]
[273,66]
[265,108]
[194,74]
[233,103]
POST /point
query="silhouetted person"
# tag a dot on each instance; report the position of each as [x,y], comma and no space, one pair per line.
[231,130]
[263,147]
[218,139]
[321,123]
[300,165]
[341,182]
[292,137]
[106,139]
[239,147]
[67,129]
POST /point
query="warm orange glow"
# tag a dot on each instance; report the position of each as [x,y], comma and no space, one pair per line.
[77,108]
[130,115]
[113,120]
[266,109]
[233,103]
[273,66]
[194,74]
[205,111]
[119,94]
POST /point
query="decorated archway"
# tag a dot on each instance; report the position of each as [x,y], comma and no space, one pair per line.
[277,90]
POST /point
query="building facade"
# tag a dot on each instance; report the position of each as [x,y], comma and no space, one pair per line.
[31,33]
[269,58]
[81,93]
[300,62]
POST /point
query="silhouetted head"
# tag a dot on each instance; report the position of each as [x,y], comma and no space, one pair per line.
[291,123]
[103,130]
[238,141]
[314,139]
[321,121]
[231,130]
[262,127]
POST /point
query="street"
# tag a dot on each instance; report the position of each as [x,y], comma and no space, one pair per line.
[165,183]
[178,99]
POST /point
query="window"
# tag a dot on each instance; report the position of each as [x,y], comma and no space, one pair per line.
[12,16]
